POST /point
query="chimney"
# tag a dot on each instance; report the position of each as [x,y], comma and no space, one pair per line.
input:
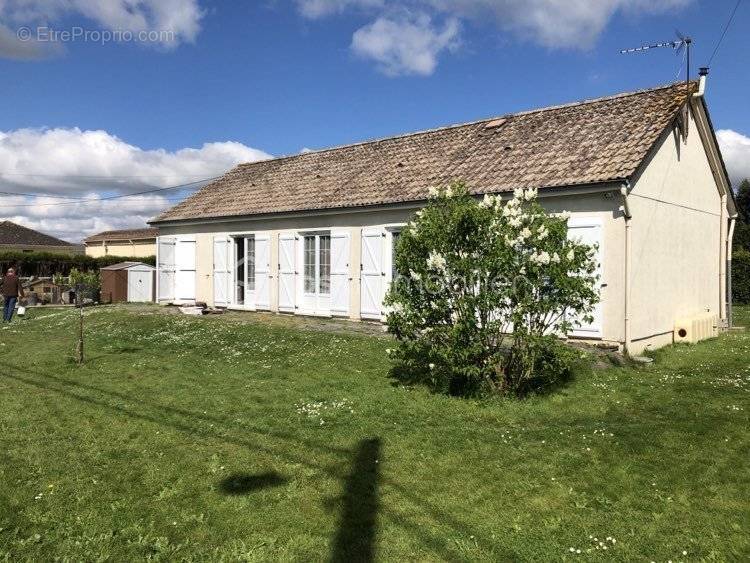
[703,74]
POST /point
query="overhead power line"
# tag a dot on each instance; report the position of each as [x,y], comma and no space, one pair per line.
[82,201]
[724,32]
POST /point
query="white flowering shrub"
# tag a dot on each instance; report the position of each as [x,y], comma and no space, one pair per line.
[483,288]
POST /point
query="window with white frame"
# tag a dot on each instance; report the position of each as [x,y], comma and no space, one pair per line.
[317,264]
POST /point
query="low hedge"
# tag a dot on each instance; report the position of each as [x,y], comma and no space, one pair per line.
[741,276]
[49,263]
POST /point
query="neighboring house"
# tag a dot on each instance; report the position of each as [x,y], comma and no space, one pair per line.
[132,243]
[17,238]
[640,173]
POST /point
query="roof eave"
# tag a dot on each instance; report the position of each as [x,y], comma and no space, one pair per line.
[549,191]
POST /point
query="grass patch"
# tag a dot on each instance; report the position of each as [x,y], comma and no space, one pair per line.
[258,437]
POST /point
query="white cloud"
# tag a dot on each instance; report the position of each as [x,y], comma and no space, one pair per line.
[407,44]
[94,164]
[314,9]
[735,148]
[570,24]
[173,21]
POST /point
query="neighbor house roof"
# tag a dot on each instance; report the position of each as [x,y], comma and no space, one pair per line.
[127,234]
[12,234]
[587,142]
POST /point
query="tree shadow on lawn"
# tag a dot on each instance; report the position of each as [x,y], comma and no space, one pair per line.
[434,541]
[245,483]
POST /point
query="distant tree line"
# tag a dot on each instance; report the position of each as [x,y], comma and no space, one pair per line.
[40,264]
[741,246]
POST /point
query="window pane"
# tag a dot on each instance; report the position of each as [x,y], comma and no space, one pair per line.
[309,265]
[325,264]
[251,264]
[239,270]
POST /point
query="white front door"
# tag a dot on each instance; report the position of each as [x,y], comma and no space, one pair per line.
[589,231]
[287,272]
[222,271]
[315,288]
[262,272]
[185,269]
[340,278]
[165,251]
[372,274]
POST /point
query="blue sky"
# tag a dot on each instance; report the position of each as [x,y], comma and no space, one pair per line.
[238,80]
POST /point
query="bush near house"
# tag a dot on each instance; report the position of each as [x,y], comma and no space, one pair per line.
[482,286]
[49,263]
[741,246]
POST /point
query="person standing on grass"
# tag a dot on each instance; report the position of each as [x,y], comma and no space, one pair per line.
[11,289]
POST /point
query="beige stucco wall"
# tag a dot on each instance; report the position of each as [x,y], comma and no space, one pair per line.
[34,248]
[604,206]
[138,249]
[676,240]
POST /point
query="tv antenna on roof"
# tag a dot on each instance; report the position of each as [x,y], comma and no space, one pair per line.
[682,42]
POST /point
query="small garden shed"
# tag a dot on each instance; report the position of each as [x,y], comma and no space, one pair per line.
[132,282]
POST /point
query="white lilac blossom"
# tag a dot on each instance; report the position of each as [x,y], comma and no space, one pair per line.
[433,191]
[515,222]
[555,258]
[542,257]
[542,232]
[570,254]
[416,276]
[524,234]
[436,261]
[518,193]
[530,194]
[449,192]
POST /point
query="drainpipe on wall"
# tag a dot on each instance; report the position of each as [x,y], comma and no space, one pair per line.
[628,264]
[723,259]
[730,237]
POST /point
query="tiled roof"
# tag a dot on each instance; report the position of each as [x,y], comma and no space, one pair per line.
[582,143]
[128,234]
[15,235]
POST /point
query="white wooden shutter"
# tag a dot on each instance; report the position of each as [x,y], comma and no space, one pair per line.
[185,270]
[222,271]
[262,271]
[372,275]
[340,272]
[287,272]
[166,268]
[589,231]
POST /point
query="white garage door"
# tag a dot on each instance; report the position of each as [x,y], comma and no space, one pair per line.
[589,231]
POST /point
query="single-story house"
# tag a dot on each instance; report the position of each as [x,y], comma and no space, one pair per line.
[14,237]
[312,234]
[132,243]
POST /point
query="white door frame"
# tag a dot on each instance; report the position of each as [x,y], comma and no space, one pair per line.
[596,329]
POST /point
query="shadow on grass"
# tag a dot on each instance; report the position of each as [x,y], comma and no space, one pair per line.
[191,425]
[355,539]
[245,483]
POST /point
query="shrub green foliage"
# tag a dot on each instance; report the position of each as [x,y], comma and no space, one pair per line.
[49,263]
[741,246]
[482,287]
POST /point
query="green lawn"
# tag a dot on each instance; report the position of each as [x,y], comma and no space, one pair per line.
[270,438]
